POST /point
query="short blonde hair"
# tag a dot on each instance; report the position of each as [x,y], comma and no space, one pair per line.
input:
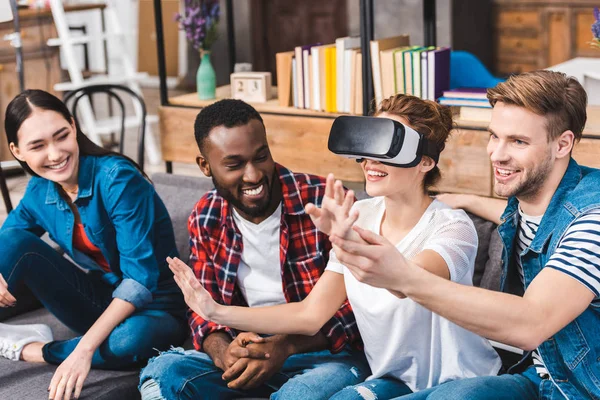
[554,95]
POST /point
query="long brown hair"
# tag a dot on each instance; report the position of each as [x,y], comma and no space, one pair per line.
[21,108]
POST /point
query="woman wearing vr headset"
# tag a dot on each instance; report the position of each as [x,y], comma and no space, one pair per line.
[408,347]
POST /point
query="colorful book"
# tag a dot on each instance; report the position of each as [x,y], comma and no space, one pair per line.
[458,102]
[295,83]
[376,47]
[283,63]
[416,72]
[438,69]
[343,71]
[467,93]
[424,77]
[351,97]
[299,76]
[306,76]
[408,70]
[399,76]
[358,102]
[320,50]
[388,84]
[330,78]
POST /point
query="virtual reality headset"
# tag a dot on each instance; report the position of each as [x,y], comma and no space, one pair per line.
[380,139]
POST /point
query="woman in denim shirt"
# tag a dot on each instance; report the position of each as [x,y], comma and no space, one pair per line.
[100,208]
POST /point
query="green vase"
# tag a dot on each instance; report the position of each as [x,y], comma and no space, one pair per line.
[206,79]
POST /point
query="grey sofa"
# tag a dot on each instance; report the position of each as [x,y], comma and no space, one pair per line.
[19,380]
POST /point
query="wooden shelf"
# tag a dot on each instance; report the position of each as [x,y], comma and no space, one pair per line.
[270,107]
[298,139]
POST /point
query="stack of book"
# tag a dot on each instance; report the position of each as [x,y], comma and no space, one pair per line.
[322,77]
[329,77]
[473,103]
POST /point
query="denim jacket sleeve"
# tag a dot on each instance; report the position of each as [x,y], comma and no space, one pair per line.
[21,217]
[129,199]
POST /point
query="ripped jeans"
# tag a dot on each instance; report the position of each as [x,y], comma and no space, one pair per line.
[374,389]
[191,374]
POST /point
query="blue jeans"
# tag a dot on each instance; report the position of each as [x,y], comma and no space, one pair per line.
[527,385]
[78,298]
[191,374]
[380,389]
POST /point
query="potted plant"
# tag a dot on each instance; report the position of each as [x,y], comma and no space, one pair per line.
[199,21]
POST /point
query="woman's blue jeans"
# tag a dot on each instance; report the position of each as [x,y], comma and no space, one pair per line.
[77,298]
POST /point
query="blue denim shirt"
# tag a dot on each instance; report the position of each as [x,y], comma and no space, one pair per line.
[572,355]
[122,215]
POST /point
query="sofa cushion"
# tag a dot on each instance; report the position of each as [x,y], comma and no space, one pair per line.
[21,380]
[180,194]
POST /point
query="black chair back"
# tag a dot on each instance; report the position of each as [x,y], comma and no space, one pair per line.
[112,91]
[4,190]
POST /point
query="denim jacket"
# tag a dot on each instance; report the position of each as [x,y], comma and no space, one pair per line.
[572,355]
[122,215]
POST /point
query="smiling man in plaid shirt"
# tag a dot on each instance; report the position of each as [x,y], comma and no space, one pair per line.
[252,244]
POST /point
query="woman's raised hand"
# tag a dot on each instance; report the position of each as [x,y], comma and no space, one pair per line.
[334,216]
[196,297]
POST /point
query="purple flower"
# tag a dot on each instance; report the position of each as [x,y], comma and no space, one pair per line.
[596,25]
[199,21]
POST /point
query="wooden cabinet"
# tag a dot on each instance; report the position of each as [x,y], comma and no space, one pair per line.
[465,164]
[298,139]
[535,34]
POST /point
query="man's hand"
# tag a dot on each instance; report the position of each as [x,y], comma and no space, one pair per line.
[239,349]
[195,296]
[249,373]
[69,376]
[6,299]
[334,215]
[377,263]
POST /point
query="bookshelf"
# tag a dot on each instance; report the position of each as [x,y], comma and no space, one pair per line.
[298,137]
[311,128]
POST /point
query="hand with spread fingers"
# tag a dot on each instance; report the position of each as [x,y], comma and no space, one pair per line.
[195,296]
[6,299]
[68,378]
[334,216]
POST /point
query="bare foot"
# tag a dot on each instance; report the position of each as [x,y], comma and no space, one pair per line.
[32,352]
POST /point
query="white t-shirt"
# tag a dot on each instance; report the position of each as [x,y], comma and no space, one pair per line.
[403,339]
[259,272]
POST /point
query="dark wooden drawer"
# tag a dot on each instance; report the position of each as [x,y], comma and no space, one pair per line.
[519,19]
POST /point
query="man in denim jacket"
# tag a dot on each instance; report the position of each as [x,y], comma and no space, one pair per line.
[551,259]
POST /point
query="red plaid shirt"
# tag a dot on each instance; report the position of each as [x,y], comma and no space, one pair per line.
[217,245]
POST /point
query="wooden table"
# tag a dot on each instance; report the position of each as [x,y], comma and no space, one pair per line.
[298,139]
